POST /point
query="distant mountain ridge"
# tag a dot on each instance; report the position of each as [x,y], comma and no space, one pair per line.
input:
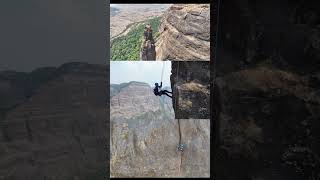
[16,87]
[115,88]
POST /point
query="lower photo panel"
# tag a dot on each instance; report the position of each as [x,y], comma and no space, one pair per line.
[147,138]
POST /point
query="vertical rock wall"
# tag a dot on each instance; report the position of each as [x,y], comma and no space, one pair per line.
[190,83]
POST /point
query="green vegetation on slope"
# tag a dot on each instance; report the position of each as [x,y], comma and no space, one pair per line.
[128,47]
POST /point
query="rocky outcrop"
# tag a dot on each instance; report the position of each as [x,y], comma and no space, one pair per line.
[147,51]
[185,33]
[190,83]
[267,78]
[58,131]
[145,135]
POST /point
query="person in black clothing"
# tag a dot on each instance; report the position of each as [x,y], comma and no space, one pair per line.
[159,92]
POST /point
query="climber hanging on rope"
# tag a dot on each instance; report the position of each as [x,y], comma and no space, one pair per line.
[158,92]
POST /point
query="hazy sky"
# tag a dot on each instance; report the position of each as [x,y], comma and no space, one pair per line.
[37,33]
[142,71]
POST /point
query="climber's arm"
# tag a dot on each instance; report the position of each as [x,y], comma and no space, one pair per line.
[161,85]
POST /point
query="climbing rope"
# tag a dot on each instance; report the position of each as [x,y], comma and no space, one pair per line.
[180,146]
[175,100]
[162,71]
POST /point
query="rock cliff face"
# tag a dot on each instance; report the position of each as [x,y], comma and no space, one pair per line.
[185,33]
[268,81]
[145,135]
[190,83]
[147,51]
[129,95]
[57,130]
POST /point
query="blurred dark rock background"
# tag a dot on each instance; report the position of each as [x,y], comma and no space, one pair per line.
[267,86]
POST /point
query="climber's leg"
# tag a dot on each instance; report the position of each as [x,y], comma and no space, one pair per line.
[163,92]
[166,91]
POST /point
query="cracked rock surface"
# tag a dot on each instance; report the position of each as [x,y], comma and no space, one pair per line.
[190,82]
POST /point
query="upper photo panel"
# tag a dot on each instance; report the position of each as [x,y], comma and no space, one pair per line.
[160,32]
